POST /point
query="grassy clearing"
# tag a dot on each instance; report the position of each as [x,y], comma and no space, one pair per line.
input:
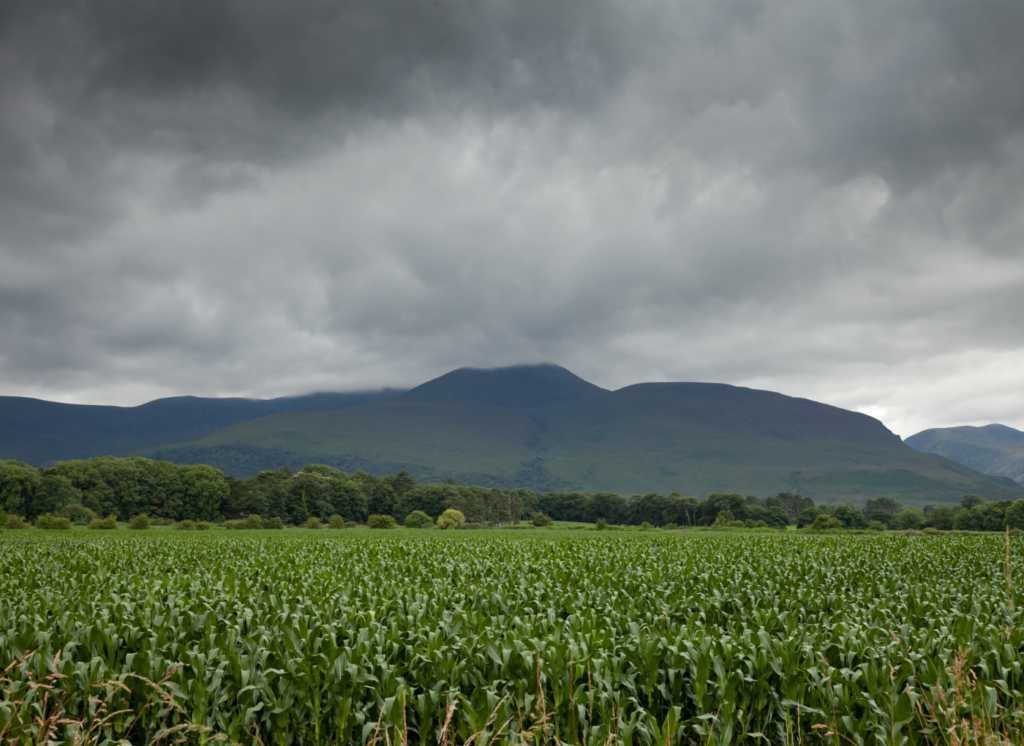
[380,637]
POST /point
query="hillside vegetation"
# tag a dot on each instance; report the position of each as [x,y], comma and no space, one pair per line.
[994,449]
[43,432]
[543,428]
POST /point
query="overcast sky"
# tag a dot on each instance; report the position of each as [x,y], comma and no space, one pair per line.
[819,197]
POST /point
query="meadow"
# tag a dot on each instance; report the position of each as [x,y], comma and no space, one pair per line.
[365,637]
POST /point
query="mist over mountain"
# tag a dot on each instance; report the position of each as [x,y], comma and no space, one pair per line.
[993,449]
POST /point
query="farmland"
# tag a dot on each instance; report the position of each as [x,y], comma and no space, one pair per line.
[347,637]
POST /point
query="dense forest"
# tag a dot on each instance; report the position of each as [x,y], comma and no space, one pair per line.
[127,487]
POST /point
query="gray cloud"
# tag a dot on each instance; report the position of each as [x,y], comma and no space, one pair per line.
[818,197]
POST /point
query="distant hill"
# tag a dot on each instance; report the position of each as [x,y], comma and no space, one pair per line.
[544,428]
[992,449]
[42,432]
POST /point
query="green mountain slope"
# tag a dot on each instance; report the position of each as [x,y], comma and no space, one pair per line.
[993,449]
[42,432]
[544,428]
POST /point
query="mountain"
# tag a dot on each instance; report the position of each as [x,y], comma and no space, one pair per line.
[992,449]
[543,428]
[42,432]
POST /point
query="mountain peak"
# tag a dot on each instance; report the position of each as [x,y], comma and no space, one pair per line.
[514,386]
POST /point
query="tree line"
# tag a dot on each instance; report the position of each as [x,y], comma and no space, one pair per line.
[128,487]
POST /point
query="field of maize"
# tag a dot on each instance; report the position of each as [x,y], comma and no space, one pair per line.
[363,637]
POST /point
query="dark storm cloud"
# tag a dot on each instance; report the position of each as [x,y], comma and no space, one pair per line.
[819,197]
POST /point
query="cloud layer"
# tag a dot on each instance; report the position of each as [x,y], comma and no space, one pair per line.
[819,197]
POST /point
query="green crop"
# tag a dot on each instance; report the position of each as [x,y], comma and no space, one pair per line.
[318,637]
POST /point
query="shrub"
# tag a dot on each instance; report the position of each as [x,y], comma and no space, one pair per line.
[48,523]
[380,521]
[15,523]
[471,526]
[202,526]
[538,519]
[104,524]
[273,523]
[807,517]
[645,526]
[336,521]
[3,517]
[451,518]
[911,518]
[932,531]
[51,523]
[417,519]
[601,525]
[185,525]
[351,524]
[139,522]
[876,526]
[250,522]
[826,523]
[670,527]
[724,518]
[312,522]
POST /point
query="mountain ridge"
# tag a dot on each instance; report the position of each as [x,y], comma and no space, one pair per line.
[695,438]
[993,449]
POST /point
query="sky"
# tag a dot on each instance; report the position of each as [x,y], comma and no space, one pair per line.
[239,197]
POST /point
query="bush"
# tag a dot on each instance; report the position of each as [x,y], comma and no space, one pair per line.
[909,519]
[3,517]
[273,523]
[351,524]
[826,523]
[185,525]
[336,521]
[202,526]
[725,518]
[876,526]
[380,521]
[932,531]
[645,526]
[104,524]
[77,514]
[48,523]
[807,517]
[601,525]
[251,522]
[451,518]
[670,527]
[139,522]
[417,519]
[472,526]
[538,519]
[15,523]
[312,522]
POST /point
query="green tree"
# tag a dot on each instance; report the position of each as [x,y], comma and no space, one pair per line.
[205,490]
[970,501]
[826,522]
[1014,517]
[850,516]
[418,519]
[909,519]
[942,517]
[807,517]
[382,499]
[776,517]
[881,508]
[538,519]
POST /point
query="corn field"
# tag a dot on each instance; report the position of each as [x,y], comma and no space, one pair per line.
[501,637]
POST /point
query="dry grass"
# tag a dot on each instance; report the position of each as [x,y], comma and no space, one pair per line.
[39,712]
